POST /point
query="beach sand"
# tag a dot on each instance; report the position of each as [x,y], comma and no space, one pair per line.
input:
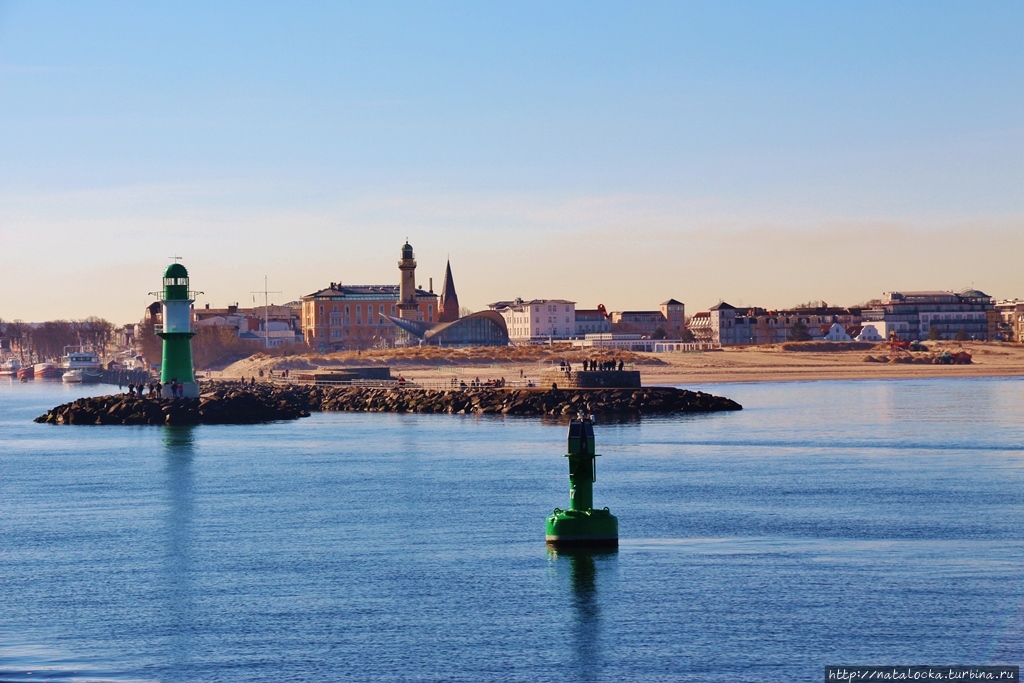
[772,364]
[733,364]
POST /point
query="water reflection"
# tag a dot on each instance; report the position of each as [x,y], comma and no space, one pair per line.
[179,452]
[602,418]
[583,566]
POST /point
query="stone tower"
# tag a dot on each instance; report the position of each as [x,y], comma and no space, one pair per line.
[408,309]
[448,310]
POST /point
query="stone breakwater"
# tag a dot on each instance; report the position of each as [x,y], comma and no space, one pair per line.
[487,401]
[233,404]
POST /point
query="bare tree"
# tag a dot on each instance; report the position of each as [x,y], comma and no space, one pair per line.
[52,337]
[150,346]
[95,332]
[20,332]
[215,347]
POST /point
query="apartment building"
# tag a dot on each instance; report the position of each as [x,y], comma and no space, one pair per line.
[920,314]
[354,316]
[537,319]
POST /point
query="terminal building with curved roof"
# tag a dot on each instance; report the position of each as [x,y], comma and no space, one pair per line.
[483,328]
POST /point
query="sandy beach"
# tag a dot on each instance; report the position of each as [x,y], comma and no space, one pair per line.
[735,364]
[772,364]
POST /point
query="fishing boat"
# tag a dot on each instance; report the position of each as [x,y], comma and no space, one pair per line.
[10,367]
[81,366]
[26,373]
[47,371]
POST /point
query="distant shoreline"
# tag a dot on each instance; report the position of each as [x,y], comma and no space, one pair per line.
[751,377]
[730,365]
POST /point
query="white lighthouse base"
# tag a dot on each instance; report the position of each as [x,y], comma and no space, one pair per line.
[187,390]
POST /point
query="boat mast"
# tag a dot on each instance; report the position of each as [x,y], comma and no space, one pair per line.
[266,312]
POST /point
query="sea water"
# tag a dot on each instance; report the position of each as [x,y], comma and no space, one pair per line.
[839,522]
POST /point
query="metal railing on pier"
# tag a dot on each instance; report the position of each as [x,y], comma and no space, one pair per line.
[438,384]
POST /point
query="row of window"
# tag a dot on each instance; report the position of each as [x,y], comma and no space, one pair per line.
[347,319]
[520,332]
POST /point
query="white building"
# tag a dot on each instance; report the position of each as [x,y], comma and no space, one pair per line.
[592,321]
[537,320]
[836,333]
[870,333]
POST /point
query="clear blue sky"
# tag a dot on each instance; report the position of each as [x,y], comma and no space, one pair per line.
[622,153]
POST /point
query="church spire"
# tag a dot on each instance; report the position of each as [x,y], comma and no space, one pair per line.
[449,307]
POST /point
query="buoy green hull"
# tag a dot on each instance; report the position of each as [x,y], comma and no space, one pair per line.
[582,528]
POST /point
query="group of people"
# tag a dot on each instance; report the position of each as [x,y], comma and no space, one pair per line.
[156,389]
[477,383]
[594,366]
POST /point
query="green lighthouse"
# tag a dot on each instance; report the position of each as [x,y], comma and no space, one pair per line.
[581,525]
[177,333]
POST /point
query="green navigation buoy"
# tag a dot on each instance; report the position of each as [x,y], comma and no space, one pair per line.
[581,525]
[176,364]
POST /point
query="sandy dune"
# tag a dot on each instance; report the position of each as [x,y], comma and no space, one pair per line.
[737,364]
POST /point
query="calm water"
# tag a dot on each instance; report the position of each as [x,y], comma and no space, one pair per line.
[832,522]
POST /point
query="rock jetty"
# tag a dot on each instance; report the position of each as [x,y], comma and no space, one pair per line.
[490,401]
[229,406]
[234,404]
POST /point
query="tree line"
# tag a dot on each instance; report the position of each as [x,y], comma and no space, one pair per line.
[213,347]
[38,342]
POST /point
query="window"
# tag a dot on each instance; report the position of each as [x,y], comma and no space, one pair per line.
[322,309]
[335,308]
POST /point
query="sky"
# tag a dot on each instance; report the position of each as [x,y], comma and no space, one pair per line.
[619,153]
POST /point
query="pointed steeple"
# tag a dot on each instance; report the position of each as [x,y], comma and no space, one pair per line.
[449,307]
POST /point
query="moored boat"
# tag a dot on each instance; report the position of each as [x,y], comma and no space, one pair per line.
[71,377]
[47,371]
[10,367]
[26,373]
[81,366]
